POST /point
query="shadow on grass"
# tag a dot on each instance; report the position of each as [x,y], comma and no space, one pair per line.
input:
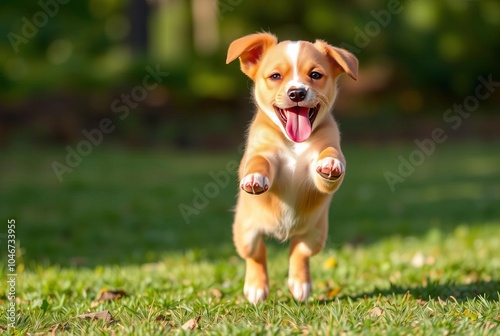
[123,206]
[460,292]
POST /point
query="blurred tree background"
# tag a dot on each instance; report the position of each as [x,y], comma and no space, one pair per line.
[65,63]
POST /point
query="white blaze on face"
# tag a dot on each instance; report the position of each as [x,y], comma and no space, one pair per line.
[298,127]
[292,52]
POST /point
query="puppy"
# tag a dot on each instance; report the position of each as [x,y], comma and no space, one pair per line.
[292,163]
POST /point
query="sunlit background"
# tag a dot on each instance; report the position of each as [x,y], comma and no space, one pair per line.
[64,63]
[121,128]
[146,82]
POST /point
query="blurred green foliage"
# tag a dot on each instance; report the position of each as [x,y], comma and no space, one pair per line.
[428,53]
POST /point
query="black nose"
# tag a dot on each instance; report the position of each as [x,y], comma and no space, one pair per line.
[297,95]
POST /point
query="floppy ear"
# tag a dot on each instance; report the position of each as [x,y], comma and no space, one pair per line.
[250,49]
[347,61]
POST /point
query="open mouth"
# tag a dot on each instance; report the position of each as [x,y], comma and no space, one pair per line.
[297,121]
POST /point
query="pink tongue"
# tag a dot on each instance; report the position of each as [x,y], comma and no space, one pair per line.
[298,126]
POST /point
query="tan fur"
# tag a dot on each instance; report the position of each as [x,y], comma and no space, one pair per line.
[286,187]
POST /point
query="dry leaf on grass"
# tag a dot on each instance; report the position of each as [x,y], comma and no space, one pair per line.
[191,324]
[110,295]
[160,318]
[217,293]
[106,295]
[104,315]
[332,293]
[164,321]
[375,311]
[58,327]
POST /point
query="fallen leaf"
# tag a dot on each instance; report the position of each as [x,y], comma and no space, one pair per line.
[164,321]
[58,327]
[160,318]
[110,295]
[104,315]
[191,324]
[332,293]
[329,263]
[376,311]
[3,328]
[217,293]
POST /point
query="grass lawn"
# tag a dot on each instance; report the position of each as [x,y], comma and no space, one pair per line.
[422,260]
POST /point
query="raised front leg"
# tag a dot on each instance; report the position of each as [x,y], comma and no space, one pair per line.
[330,169]
[257,175]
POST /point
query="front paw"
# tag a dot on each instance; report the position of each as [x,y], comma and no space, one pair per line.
[255,183]
[330,168]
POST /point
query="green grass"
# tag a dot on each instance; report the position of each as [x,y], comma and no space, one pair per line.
[424,260]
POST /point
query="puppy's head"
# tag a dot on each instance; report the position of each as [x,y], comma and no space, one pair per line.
[295,81]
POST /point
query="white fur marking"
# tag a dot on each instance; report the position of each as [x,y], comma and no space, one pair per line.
[255,294]
[300,290]
[299,148]
[250,239]
[269,110]
[292,51]
[288,219]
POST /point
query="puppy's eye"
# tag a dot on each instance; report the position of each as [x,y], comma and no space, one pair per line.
[315,75]
[275,76]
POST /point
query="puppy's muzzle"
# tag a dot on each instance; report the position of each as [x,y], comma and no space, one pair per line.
[297,95]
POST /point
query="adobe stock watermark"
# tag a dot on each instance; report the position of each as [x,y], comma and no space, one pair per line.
[31,25]
[10,292]
[122,107]
[202,196]
[381,19]
[453,119]
[220,180]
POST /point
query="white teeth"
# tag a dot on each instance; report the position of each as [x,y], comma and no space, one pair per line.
[312,113]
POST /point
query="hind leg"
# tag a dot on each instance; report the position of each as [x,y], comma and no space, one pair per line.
[251,247]
[301,249]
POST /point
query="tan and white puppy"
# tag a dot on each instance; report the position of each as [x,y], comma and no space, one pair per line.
[292,163]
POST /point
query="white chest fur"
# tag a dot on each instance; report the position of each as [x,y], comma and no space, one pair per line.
[295,162]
